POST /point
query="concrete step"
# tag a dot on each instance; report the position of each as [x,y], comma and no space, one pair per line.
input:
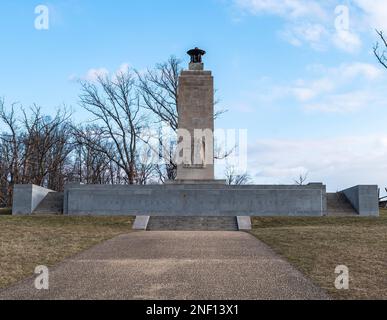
[51,204]
[192,224]
[338,205]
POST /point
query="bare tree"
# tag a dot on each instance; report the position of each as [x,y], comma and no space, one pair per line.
[110,149]
[302,178]
[146,168]
[158,88]
[47,146]
[10,151]
[90,165]
[159,94]
[34,148]
[380,53]
[115,107]
[159,91]
[233,178]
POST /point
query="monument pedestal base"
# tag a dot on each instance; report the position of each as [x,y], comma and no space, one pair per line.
[188,181]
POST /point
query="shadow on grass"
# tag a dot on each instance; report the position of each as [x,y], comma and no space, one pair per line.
[281,222]
[5,211]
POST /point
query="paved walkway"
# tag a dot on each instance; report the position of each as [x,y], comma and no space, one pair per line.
[173,265]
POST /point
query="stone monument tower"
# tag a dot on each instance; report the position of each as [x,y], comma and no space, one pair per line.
[196,122]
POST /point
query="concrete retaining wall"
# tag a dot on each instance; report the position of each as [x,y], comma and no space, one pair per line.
[27,197]
[364,199]
[198,200]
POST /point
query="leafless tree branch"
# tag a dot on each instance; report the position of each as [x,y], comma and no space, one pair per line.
[380,54]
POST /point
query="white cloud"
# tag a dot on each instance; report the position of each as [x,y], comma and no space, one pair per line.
[346,88]
[94,74]
[307,32]
[375,13]
[73,77]
[123,69]
[314,22]
[340,162]
[290,9]
[307,90]
[347,41]
[345,102]
[244,108]
[335,90]
[358,69]
[304,19]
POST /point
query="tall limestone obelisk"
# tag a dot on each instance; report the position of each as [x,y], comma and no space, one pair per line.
[196,122]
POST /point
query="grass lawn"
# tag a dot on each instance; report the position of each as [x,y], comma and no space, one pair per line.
[317,245]
[26,242]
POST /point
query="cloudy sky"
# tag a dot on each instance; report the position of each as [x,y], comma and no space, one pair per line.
[300,76]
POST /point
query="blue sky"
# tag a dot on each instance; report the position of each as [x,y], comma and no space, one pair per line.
[301,80]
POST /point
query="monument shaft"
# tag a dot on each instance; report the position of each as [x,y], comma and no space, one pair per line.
[196,123]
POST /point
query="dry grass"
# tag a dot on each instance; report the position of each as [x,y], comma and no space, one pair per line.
[26,242]
[317,245]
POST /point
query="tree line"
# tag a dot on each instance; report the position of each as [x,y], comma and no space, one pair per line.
[108,148]
[51,151]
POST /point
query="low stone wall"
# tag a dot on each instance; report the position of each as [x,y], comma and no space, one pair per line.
[197,200]
[27,197]
[364,199]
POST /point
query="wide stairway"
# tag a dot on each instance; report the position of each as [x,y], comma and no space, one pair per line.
[192,224]
[338,205]
[51,204]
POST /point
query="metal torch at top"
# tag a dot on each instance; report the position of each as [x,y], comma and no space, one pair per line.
[196,59]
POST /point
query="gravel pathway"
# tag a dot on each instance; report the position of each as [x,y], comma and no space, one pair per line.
[173,265]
